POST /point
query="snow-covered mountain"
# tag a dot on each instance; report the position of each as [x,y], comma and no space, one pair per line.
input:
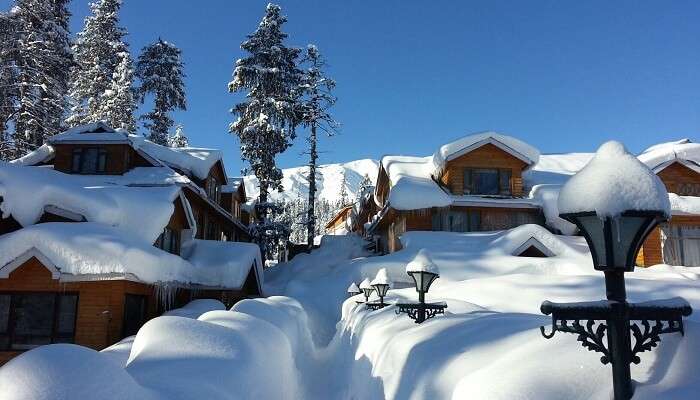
[329,181]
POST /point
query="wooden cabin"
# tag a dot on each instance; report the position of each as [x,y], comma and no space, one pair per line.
[341,222]
[478,178]
[676,242]
[42,303]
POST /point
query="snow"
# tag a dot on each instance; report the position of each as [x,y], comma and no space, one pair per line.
[412,185]
[41,154]
[662,154]
[88,250]
[195,308]
[353,288]
[229,262]
[684,204]
[381,279]
[26,191]
[366,284]
[197,161]
[515,147]
[422,263]
[325,346]
[86,133]
[614,181]
[328,182]
[555,168]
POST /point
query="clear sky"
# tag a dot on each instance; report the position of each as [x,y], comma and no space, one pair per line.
[562,75]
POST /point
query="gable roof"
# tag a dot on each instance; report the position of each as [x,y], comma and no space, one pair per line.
[662,155]
[515,147]
[96,132]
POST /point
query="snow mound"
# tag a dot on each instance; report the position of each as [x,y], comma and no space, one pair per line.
[195,308]
[41,154]
[547,195]
[67,371]
[612,182]
[190,160]
[229,262]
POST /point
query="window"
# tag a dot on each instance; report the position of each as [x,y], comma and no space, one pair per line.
[28,320]
[681,245]
[487,181]
[134,314]
[689,189]
[89,161]
[169,241]
[213,189]
[457,221]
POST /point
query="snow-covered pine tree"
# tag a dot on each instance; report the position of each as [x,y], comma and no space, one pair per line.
[161,71]
[365,188]
[99,51]
[266,119]
[41,55]
[179,139]
[317,100]
[8,79]
[343,195]
[118,103]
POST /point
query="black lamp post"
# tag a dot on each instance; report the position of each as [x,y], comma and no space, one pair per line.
[381,289]
[614,243]
[366,288]
[424,273]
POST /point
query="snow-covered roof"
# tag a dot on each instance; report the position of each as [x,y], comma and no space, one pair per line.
[412,184]
[612,182]
[660,156]
[97,132]
[38,156]
[684,205]
[26,193]
[197,161]
[515,147]
[233,185]
[93,251]
[229,262]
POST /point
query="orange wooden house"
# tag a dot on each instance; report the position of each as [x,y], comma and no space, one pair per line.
[472,184]
[105,230]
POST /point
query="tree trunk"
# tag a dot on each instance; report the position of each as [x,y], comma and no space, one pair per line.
[311,212]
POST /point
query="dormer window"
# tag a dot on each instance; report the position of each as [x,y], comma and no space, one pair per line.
[90,160]
[487,181]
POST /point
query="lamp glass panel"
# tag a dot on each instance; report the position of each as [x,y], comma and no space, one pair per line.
[381,289]
[423,280]
[592,227]
[624,231]
[367,291]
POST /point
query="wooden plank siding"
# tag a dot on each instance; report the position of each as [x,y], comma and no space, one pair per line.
[676,177]
[120,157]
[486,156]
[100,310]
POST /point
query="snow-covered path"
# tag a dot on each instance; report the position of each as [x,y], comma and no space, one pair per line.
[314,343]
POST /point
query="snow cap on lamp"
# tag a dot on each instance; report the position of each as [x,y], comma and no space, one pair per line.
[422,263]
[366,284]
[614,181]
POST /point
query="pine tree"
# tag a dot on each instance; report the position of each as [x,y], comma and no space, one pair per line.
[99,52]
[317,100]
[8,77]
[365,188]
[343,195]
[179,139]
[118,103]
[267,118]
[161,71]
[41,55]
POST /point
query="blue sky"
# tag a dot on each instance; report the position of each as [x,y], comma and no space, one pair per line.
[562,75]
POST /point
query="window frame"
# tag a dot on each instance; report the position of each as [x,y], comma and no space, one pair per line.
[79,157]
[469,184]
[55,334]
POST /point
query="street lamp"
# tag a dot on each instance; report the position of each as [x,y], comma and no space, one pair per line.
[424,272]
[366,288]
[353,290]
[381,285]
[616,201]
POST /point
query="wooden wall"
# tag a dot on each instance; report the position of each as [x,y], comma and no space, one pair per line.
[120,157]
[487,156]
[676,175]
[94,328]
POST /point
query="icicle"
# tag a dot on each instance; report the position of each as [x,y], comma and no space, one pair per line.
[165,293]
